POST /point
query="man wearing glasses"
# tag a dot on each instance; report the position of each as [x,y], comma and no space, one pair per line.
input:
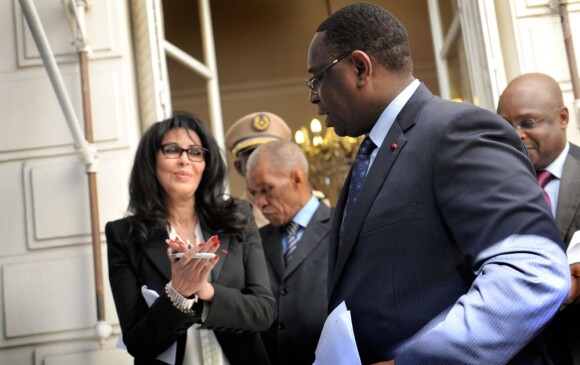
[533,104]
[442,246]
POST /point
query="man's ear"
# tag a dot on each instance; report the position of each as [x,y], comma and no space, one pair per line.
[363,64]
[297,176]
[564,116]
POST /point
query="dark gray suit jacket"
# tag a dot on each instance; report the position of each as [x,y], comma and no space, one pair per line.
[300,290]
[450,191]
[242,306]
[563,334]
[568,211]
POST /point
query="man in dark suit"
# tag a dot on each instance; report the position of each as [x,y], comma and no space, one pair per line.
[448,254]
[533,104]
[296,248]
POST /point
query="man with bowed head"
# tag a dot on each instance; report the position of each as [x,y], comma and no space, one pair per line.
[442,246]
[532,103]
[245,135]
[296,249]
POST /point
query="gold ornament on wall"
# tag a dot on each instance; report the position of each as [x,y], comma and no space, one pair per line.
[329,157]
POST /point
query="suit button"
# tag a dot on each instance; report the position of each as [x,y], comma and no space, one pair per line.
[181,332]
[284,291]
[281,325]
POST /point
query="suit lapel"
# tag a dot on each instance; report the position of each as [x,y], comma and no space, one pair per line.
[225,242]
[569,199]
[156,250]
[313,234]
[376,176]
[272,244]
[387,154]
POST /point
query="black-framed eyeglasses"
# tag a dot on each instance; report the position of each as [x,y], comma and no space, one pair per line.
[531,122]
[173,151]
[314,82]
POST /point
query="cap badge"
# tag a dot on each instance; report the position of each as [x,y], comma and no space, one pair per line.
[261,122]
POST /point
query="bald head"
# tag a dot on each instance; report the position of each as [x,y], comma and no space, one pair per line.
[277,180]
[532,103]
[280,155]
[532,87]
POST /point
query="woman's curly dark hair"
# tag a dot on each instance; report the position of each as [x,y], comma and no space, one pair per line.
[147,206]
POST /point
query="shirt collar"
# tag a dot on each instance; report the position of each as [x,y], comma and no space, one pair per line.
[305,214]
[387,118]
[557,166]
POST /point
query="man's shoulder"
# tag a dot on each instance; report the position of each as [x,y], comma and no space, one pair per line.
[572,164]
[323,214]
[574,151]
[440,112]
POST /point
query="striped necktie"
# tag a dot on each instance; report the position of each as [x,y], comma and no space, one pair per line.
[292,233]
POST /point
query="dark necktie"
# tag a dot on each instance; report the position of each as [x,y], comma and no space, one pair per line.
[360,168]
[544,177]
[292,232]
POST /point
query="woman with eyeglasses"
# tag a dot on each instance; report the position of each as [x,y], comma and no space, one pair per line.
[187,308]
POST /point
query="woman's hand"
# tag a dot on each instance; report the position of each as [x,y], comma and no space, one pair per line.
[188,274]
[177,245]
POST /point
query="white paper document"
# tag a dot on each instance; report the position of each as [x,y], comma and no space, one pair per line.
[573,251]
[337,345]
